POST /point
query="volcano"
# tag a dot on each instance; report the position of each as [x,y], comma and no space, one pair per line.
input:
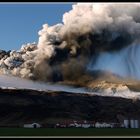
[86,67]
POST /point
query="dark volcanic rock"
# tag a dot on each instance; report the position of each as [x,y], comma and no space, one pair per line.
[26,106]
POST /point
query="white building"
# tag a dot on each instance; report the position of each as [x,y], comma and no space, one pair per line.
[136,124]
[131,123]
[33,125]
[103,125]
[126,123]
[85,125]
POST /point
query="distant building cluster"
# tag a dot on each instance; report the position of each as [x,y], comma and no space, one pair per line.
[88,124]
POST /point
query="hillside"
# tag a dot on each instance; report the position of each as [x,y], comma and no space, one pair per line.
[19,106]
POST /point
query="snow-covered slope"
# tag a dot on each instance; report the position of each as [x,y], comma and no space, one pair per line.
[19,83]
[124,92]
[11,82]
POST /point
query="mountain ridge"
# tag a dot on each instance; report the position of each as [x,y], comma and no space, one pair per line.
[18,107]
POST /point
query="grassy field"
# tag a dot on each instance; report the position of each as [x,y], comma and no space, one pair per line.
[68,132]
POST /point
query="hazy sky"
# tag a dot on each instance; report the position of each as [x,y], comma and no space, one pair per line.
[20,23]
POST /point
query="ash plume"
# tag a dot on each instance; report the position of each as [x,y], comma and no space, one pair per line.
[92,36]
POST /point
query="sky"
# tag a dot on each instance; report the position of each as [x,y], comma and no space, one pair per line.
[20,23]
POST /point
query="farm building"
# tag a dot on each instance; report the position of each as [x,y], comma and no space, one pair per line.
[33,125]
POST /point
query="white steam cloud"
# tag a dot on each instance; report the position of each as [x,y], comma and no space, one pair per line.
[93,36]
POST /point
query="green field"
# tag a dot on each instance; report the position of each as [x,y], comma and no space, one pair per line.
[68,132]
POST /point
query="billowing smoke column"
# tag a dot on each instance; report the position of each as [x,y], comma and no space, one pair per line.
[92,37]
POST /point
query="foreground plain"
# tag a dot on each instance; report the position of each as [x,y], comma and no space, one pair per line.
[69,132]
